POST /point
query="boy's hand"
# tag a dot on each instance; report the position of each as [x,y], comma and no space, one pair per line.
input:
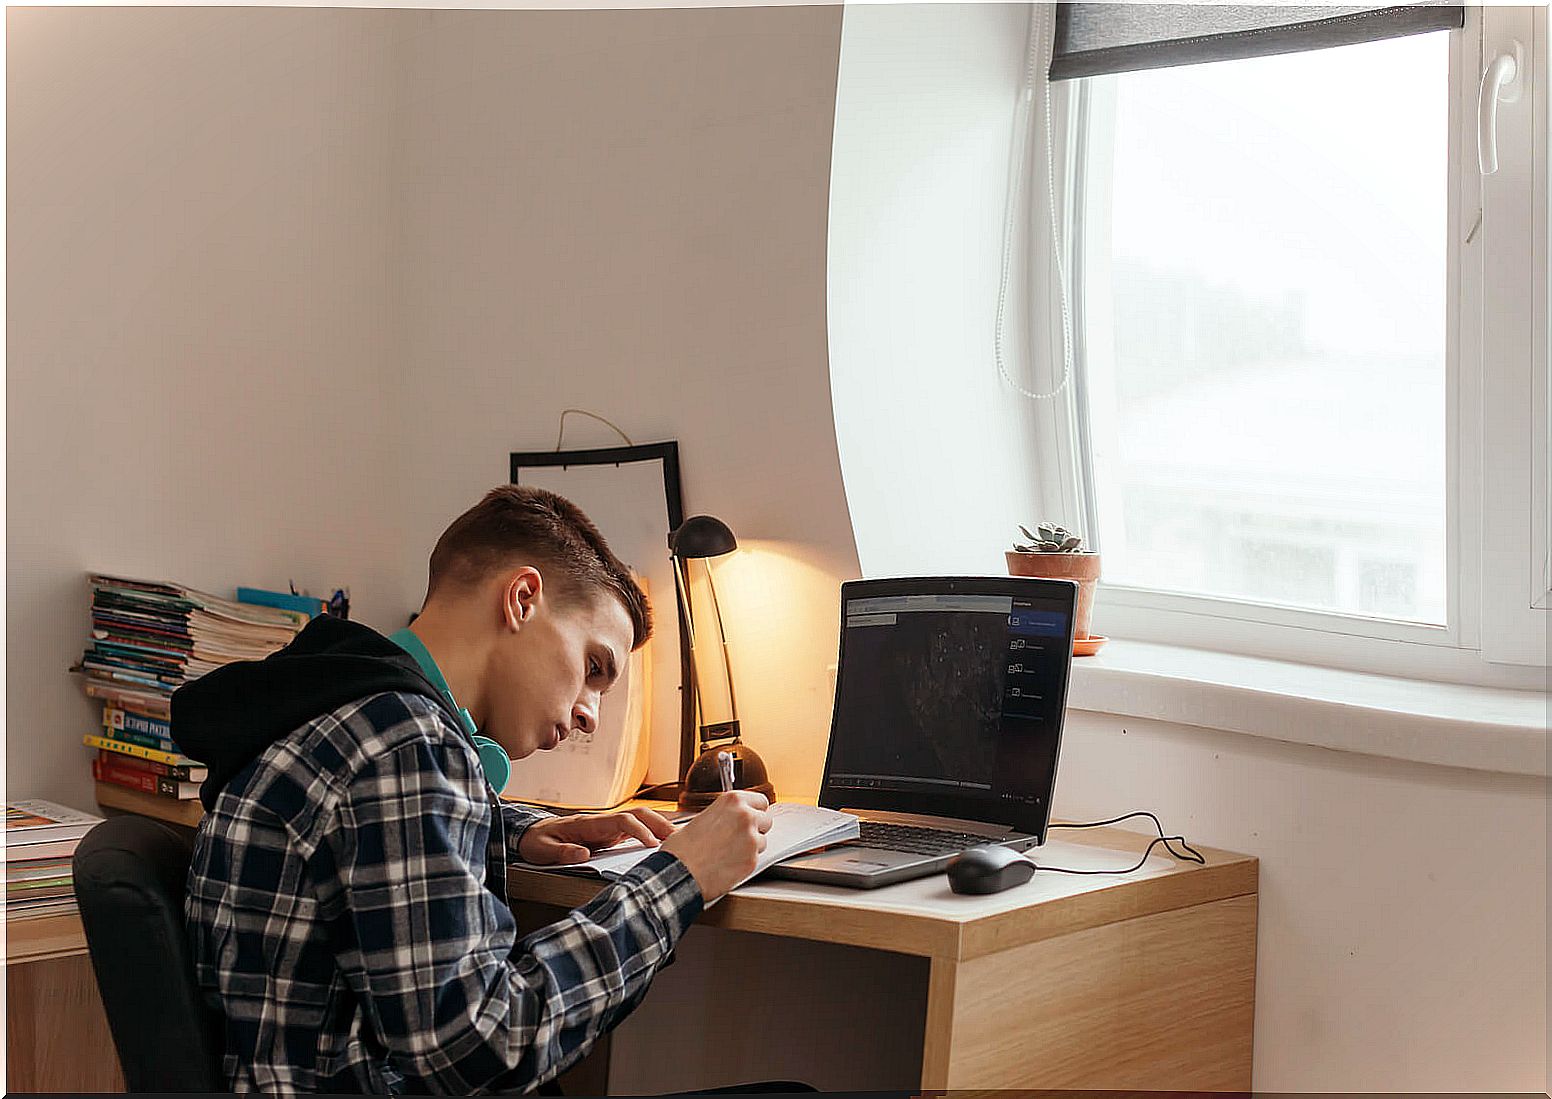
[720,847]
[561,840]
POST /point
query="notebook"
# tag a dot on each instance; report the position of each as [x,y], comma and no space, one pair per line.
[795,829]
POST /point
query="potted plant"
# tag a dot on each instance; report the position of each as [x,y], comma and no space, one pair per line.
[1055,553]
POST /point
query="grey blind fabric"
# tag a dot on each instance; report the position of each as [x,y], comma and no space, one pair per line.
[1094,39]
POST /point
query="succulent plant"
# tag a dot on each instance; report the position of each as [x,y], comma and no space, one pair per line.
[1049,538]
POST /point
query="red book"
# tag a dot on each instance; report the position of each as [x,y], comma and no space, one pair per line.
[181,772]
[107,771]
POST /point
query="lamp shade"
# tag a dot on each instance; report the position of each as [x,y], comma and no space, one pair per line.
[702,536]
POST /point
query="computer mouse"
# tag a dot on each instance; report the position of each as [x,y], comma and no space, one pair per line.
[988,869]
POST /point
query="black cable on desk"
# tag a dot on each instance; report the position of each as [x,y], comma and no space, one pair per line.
[1192,854]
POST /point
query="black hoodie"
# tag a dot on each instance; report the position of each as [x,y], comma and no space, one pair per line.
[227,718]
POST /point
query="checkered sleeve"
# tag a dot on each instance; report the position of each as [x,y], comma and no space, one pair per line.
[518,819]
[460,1003]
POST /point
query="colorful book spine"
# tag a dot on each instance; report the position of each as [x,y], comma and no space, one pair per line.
[148,702]
[111,745]
[148,767]
[161,744]
[103,771]
[116,718]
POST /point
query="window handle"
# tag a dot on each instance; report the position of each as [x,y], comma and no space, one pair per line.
[1501,83]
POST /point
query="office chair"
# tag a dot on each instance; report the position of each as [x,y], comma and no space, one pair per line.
[129,881]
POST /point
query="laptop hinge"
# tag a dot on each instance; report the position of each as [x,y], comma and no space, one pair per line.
[923,820]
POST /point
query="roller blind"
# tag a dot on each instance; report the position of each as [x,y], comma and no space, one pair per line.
[1094,39]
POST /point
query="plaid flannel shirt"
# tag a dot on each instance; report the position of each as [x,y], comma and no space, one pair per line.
[339,920]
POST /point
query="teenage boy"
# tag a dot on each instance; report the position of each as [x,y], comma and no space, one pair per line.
[346,902]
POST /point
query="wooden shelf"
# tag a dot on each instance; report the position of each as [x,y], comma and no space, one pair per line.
[35,938]
[173,811]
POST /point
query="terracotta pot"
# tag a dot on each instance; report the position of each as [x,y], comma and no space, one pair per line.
[1082,567]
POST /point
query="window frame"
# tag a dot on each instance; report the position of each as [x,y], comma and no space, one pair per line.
[1456,650]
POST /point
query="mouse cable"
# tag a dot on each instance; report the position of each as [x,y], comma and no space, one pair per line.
[1130,869]
[1192,854]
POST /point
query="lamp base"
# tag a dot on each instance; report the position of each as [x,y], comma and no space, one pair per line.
[703,782]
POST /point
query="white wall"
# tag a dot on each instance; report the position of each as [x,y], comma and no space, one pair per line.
[935,447]
[200,321]
[625,212]
[1402,906]
[1403,925]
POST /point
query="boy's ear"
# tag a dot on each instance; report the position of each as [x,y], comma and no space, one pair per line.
[520,597]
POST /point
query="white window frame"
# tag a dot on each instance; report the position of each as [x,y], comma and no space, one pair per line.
[1492,631]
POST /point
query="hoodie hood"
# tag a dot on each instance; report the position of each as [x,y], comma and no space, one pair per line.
[225,719]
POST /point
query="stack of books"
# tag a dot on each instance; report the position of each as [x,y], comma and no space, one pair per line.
[148,639]
[40,839]
[155,637]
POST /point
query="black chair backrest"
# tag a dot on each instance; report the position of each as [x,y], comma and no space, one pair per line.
[130,875]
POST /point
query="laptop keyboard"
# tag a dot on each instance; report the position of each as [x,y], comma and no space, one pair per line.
[914,840]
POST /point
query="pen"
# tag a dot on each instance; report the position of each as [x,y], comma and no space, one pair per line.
[725,768]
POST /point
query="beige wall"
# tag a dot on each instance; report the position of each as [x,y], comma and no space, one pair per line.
[288,286]
[201,326]
[625,211]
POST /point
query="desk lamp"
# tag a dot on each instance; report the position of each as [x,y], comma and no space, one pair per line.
[698,539]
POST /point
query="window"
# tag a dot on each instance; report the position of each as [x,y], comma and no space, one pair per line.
[1264,302]
[1301,329]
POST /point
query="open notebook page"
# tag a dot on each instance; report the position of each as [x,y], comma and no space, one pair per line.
[794,829]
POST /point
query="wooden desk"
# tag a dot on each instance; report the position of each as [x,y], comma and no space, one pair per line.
[1142,982]
[57,1036]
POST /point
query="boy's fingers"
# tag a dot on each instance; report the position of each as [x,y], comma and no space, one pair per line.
[661,826]
[633,827]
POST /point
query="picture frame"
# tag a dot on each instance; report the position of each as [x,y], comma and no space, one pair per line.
[626,512]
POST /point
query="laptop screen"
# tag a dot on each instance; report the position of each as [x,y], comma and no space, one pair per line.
[949,698]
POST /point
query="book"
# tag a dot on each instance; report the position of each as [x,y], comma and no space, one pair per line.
[185,813]
[108,744]
[38,889]
[306,604]
[33,869]
[36,821]
[145,740]
[42,850]
[153,637]
[795,830]
[183,773]
[118,717]
[172,788]
[36,909]
[105,771]
[115,694]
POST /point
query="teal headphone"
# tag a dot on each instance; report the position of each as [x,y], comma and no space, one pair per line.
[494,760]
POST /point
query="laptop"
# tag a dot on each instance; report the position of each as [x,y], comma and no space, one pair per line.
[950,693]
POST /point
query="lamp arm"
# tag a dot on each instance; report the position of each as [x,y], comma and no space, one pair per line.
[727,660]
[682,587]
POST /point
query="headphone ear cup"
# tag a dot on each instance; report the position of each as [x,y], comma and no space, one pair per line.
[494,761]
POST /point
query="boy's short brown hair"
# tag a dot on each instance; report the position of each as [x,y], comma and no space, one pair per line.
[519,524]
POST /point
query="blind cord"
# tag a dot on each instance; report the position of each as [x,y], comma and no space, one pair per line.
[1015,191]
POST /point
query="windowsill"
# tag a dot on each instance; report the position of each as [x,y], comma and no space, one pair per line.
[1447,724]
